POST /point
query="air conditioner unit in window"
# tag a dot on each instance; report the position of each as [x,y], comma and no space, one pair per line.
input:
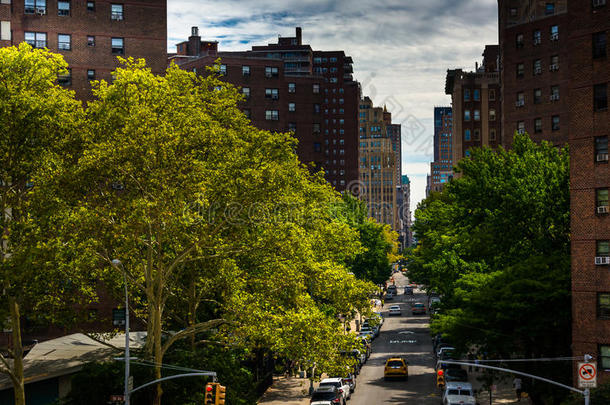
[41,11]
[599,3]
[519,103]
[554,97]
[521,131]
[554,67]
[554,37]
[274,96]
[602,260]
[536,41]
[602,157]
[268,74]
[602,210]
[538,71]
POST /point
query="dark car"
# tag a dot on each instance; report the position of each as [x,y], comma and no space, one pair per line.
[418,309]
[323,395]
[408,290]
[456,374]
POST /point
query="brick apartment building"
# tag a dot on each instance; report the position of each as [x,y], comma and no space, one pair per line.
[475,102]
[534,53]
[89,34]
[441,169]
[589,127]
[378,164]
[291,87]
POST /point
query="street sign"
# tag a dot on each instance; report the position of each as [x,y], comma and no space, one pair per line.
[587,375]
[118,317]
[117,398]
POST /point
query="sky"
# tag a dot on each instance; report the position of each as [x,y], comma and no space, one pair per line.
[401,49]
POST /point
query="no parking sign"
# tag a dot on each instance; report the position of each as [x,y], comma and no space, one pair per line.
[587,375]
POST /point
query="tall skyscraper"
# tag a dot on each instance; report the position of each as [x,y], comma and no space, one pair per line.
[441,169]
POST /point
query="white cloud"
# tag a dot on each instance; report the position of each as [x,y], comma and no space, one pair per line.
[401,49]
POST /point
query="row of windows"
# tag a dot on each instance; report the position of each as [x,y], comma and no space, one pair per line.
[537,36]
[537,96]
[600,96]
[324,60]
[477,115]
[64,8]
[64,42]
[537,67]
[538,125]
[476,96]
[475,135]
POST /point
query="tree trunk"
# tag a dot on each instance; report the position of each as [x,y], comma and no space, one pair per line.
[18,383]
[158,352]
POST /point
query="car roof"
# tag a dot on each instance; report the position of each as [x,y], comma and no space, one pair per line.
[418,304]
[395,306]
[394,358]
[331,380]
[458,385]
[327,388]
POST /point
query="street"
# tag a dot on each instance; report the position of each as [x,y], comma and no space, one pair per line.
[406,336]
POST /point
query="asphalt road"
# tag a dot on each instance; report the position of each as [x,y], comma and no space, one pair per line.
[406,336]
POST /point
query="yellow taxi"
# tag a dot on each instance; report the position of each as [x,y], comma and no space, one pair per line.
[396,367]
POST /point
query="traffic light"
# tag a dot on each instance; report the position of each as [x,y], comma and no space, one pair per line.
[440,378]
[220,394]
[210,393]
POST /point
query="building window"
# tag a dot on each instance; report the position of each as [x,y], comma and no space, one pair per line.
[554,33]
[549,9]
[537,96]
[118,47]
[476,95]
[90,74]
[512,12]
[292,87]
[116,12]
[316,88]
[520,99]
[272,94]
[292,107]
[272,115]
[604,357]
[537,67]
[492,95]
[601,196]
[476,135]
[36,39]
[520,70]
[316,108]
[519,41]
[538,125]
[247,113]
[521,127]
[35,7]
[245,70]
[492,114]
[492,134]
[91,6]
[317,147]
[90,40]
[65,79]
[63,8]
[466,115]
[63,42]
[271,71]
[477,115]
[600,97]
[554,93]
[466,94]
[467,135]
[599,45]
[537,38]
[223,70]
[292,127]
[603,305]
[555,123]
[602,248]
[554,63]
[316,128]
[601,149]
[246,92]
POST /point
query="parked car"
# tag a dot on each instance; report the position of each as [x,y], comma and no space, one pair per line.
[328,395]
[408,290]
[393,289]
[351,380]
[341,384]
[389,296]
[396,367]
[458,393]
[365,344]
[379,317]
[395,310]
[366,325]
[418,309]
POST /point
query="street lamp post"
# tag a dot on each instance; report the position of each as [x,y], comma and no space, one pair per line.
[117,262]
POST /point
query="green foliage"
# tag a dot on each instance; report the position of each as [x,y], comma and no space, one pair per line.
[598,396]
[495,245]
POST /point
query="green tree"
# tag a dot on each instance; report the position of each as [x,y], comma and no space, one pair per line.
[39,121]
[495,244]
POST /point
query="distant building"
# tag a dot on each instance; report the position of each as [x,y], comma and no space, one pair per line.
[291,87]
[404,207]
[89,34]
[441,170]
[377,164]
[475,102]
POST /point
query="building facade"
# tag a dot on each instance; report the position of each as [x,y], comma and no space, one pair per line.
[89,34]
[534,54]
[589,127]
[441,169]
[475,102]
[377,164]
[288,86]
[404,207]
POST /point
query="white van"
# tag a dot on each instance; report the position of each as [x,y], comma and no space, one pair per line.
[458,393]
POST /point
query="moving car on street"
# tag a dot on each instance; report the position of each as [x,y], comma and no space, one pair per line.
[395,310]
[458,393]
[328,395]
[341,384]
[418,309]
[396,367]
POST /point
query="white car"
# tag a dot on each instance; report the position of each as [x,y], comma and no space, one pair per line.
[395,310]
[443,351]
[340,383]
[457,393]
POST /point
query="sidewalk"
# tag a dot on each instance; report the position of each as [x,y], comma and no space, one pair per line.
[287,391]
